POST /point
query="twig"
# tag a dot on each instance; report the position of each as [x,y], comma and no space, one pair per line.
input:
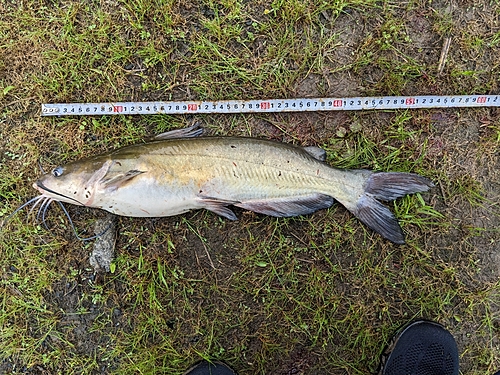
[444,54]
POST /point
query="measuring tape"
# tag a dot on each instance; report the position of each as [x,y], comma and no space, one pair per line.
[270,105]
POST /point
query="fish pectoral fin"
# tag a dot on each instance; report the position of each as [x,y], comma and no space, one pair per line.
[218,206]
[99,174]
[119,180]
[316,152]
[288,206]
[189,132]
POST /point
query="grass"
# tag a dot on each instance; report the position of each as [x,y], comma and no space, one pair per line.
[319,294]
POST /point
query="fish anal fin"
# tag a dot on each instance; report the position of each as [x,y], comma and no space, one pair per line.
[288,206]
[120,179]
[189,132]
[379,218]
[316,152]
[218,206]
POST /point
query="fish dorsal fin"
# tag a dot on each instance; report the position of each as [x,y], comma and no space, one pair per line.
[189,132]
[115,182]
[316,152]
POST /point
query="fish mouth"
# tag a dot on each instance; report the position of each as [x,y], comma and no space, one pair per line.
[42,189]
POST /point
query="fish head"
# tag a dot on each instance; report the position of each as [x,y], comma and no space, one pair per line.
[74,183]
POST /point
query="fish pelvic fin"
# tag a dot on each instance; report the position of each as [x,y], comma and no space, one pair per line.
[387,186]
[218,206]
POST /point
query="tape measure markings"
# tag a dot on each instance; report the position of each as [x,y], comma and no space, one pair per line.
[270,105]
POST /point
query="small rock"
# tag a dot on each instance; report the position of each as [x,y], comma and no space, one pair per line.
[103,252]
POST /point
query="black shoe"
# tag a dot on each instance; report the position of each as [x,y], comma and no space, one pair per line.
[421,348]
[210,368]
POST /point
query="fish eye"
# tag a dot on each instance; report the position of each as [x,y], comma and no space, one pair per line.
[58,171]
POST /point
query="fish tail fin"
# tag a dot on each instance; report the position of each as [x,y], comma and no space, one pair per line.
[387,186]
